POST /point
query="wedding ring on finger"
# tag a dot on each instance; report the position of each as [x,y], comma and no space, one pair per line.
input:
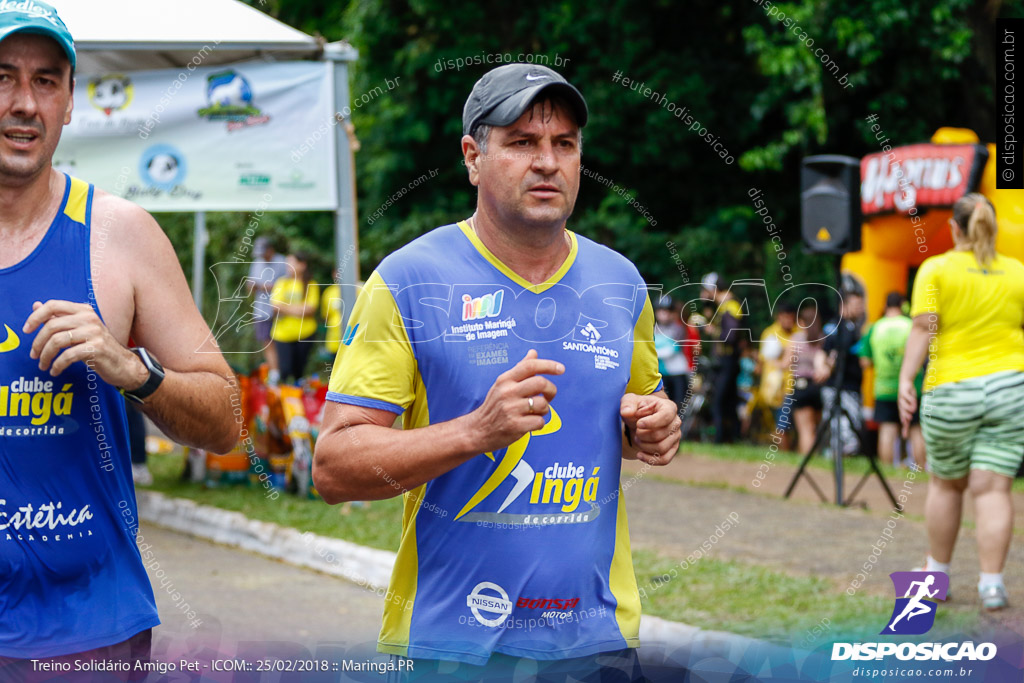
[71,337]
[530,402]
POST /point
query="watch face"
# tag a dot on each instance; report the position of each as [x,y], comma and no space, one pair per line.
[156,375]
[149,360]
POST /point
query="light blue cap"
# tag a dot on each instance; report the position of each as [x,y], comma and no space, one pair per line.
[32,16]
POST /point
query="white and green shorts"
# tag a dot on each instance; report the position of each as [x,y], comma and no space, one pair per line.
[975,424]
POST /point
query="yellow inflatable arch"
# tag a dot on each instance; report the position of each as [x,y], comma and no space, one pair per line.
[893,244]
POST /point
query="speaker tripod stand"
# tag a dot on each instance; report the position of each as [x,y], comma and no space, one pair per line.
[832,423]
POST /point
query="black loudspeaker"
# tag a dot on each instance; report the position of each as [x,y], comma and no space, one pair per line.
[830,204]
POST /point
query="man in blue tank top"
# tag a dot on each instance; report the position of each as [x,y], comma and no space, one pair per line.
[81,272]
[522,360]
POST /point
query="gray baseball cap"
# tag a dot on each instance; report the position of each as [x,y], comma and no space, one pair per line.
[503,94]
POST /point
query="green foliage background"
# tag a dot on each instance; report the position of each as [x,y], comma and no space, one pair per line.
[917,64]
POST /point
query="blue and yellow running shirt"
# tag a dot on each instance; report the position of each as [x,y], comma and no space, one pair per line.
[524,551]
[71,575]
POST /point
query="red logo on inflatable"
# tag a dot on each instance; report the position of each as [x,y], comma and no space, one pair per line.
[921,176]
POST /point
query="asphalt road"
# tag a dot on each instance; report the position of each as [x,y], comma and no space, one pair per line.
[252,613]
[252,609]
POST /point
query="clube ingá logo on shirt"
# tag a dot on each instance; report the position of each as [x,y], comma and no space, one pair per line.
[35,406]
[559,489]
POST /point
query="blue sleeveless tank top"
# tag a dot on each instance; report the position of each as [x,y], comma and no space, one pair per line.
[71,575]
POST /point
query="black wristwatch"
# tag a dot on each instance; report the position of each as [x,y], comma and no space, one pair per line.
[156,376]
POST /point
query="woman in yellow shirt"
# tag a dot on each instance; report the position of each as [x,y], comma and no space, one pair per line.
[330,311]
[296,300]
[969,303]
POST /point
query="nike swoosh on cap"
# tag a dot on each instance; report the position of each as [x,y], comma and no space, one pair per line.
[535,78]
[12,342]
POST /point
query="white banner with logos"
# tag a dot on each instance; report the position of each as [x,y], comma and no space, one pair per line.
[228,138]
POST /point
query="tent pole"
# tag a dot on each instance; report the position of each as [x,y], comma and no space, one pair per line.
[346,256]
[199,239]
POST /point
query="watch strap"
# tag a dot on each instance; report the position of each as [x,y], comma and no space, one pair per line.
[152,383]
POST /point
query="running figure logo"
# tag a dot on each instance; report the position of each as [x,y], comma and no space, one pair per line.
[914,613]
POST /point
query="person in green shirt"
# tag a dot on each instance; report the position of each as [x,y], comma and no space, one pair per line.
[882,348]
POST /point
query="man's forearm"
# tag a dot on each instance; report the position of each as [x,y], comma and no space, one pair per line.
[371,462]
[197,409]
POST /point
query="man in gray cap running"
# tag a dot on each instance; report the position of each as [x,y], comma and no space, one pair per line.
[521,358]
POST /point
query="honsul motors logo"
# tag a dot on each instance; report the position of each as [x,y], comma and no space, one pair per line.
[913,613]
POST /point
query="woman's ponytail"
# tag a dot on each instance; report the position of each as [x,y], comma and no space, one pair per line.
[976,217]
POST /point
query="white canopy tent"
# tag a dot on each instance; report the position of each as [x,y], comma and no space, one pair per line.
[131,35]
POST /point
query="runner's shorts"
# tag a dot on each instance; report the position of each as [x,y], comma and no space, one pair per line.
[975,424]
[806,394]
[888,411]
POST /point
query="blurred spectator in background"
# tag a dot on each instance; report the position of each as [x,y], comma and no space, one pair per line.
[264,271]
[672,363]
[805,398]
[882,348]
[727,349]
[296,301]
[836,364]
[331,310]
[690,341]
[745,390]
[772,353]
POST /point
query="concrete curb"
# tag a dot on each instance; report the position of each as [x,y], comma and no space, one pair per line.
[367,567]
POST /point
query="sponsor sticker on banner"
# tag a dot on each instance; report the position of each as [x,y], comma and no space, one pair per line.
[110,93]
[209,139]
[229,98]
